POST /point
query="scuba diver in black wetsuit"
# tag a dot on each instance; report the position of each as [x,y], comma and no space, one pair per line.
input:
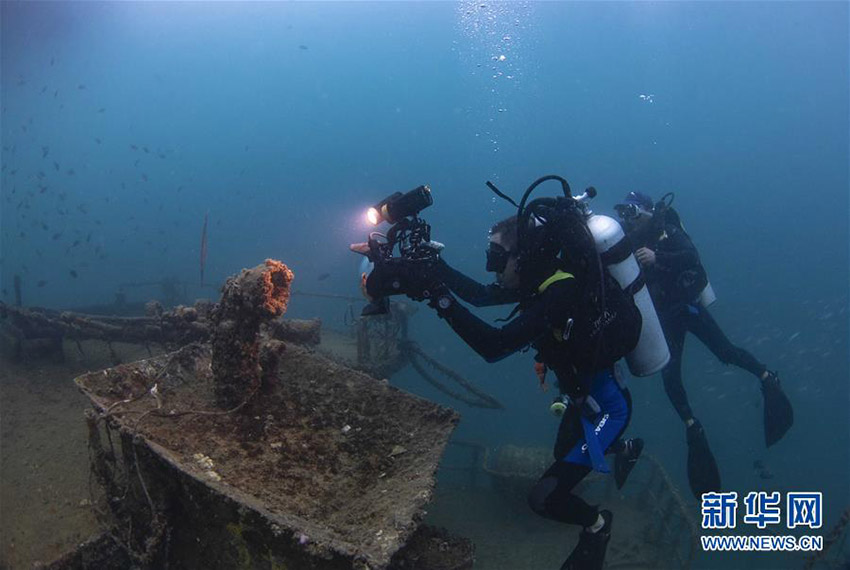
[680,291]
[580,321]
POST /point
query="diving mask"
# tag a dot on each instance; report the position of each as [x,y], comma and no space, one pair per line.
[497,258]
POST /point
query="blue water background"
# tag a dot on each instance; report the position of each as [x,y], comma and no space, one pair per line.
[284,122]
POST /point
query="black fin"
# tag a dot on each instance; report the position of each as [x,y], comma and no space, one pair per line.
[589,553]
[625,460]
[778,413]
[703,474]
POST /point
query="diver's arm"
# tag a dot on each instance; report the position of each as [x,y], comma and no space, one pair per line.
[474,292]
[677,253]
[494,344]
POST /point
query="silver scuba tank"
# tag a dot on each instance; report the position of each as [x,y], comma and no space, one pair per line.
[651,353]
[707,296]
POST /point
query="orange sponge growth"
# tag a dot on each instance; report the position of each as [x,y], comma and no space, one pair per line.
[276,280]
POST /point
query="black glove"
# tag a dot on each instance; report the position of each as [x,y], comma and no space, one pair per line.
[440,298]
[421,280]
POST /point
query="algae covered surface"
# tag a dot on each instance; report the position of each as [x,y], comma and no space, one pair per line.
[328,451]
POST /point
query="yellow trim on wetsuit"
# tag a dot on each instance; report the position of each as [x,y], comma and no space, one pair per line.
[557,276]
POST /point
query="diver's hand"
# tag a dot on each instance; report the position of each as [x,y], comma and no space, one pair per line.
[421,280]
[440,297]
[645,256]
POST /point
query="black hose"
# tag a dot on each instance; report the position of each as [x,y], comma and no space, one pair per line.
[522,217]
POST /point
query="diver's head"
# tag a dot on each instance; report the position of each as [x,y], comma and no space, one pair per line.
[635,211]
[520,266]
[502,253]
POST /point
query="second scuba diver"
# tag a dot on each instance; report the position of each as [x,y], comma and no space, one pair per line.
[581,322]
[679,286]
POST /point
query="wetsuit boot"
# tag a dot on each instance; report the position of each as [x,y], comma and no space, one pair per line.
[626,459]
[589,553]
[778,413]
[703,474]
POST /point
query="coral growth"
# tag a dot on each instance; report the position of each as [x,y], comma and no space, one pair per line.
[248,300]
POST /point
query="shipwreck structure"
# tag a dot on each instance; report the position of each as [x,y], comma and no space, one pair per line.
[249,451]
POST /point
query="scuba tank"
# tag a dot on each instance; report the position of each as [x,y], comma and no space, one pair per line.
[651,353]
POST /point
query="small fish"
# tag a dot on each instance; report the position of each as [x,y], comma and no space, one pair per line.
[73,274]
[762,470]
[133,147]
[97,140]
[70,172]
[41,283]
[144,177]
[81,86]
[56,166]
[102,110]
[51,61]
[147,151]
[57,235]
[323,276]
[55,93]
[302,47]
[45,151]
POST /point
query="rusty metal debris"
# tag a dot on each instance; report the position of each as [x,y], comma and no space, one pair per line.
[275,479]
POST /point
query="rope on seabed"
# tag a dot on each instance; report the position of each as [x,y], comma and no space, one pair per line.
[482,399]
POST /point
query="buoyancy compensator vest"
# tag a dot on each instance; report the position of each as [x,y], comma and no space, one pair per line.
[618,316]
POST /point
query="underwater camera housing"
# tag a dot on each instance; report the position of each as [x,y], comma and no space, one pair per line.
[390,274]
